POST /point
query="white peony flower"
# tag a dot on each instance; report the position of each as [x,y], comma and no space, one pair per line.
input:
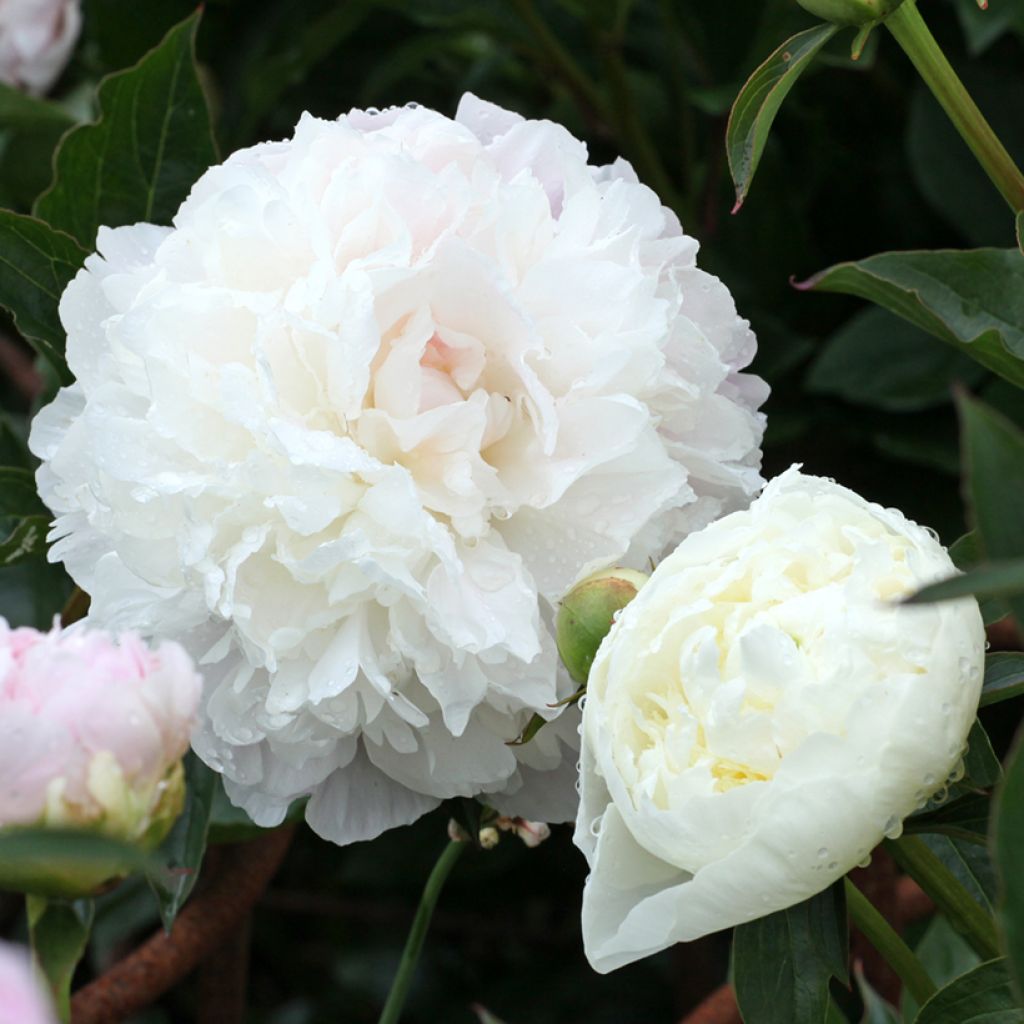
[353,424]
[36,40]
[762,714]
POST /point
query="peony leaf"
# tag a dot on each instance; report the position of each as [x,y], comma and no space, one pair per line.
[966,554]
[944,954]
[782,963]
[971,299]
[185,845]
[965,817]
[754,109]
[876,1009]
[1004,677]
[996,579]
[1008,841]
[981,995]
[25,540]
[981,766]
[36,263]
[138,161]
[993,456]
[969,863]
[59,932]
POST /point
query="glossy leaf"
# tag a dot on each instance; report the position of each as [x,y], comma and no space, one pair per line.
[981,766]
[981,996]
[1004,677]
[782,963]
[150,144]
[36,263]
[970,863]
[185,845]
[1007,843]
[59,932]
[759,101]
[966,554]
[973,299]
[965,817]
[993,454]
[998,579]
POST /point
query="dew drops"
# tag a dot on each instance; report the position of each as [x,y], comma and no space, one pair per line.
[822,853]
[833,864]
[893,827]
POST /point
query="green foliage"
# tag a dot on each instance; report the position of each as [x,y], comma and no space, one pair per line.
[1008,841]
[972,300]
[965,817]
[1004,677]
[59,932]
[981,996]
[36,263]
[782,964]
[24,519]
[139,160]
[944,954]
[759,101]
[997,579]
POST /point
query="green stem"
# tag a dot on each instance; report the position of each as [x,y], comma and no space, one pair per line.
[910,31]
[947,893]
[421,922]
[897,953]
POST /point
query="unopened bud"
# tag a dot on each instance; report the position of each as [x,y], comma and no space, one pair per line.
[587,613]
[456,833]
[488,837]
[532,833]
[850,12]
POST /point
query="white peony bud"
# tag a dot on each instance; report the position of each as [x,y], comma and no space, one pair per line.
[763,713]
[36,40]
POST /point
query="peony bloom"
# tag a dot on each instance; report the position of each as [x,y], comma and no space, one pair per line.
[92,732]
[36,40]
[22,999]
[352,426]
[762,714]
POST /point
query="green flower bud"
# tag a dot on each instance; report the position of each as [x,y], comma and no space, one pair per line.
[850,12]
[587,613]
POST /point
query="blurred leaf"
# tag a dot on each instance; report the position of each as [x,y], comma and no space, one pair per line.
[877,359]
[59,932]
[1007,842]
[1004,677]
[185,845]
[970,863]
[24,519]
[972,299]
[996,579]
[945,170]
[983,27]
[32,592]
[876,1009]
[993,454]
[965,817]
[484,1016]
[30,129]
[1019,226]
[754,109]
[13,450]
[121,33]
[981,995]
[150,144]
[966,554]
[18,495]
[944,954]
[36,263]
[782,963]
[25,540]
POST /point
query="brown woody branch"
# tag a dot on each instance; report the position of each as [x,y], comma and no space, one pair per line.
[207,921]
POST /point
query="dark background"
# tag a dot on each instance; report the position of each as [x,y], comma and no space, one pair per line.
[861,160]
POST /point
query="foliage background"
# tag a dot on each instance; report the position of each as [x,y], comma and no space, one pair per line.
[861,161]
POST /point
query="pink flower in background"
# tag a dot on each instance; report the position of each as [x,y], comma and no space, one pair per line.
[36,40]
[22,999]
[92,730]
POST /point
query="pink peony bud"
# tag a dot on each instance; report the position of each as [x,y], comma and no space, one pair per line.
[22,998]
[532,833]
[36,40]
[92,732]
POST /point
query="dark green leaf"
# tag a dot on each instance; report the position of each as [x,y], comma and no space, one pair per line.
[59,932]
[965,817]
[966,554]
[759,101]
[185,845]
[1019,225]
[973,300]
[1007,843]
[993,454]
[998,579]
[981,996]
[982,27]
[26,540]
[18,492]
[36,263]
[150,144]
[918,373]
[876,1009]
[970,863]
[66,862]
[944,954]
[1004,677]
[981,766]
[782,963]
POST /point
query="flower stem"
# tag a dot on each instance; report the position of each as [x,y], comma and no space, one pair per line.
[948,894]
[913,35]
[881,935]
[421,922]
